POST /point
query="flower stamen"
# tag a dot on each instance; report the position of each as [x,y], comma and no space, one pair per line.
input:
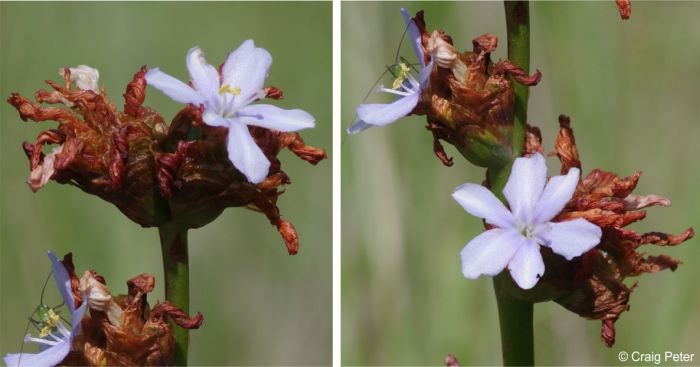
[403,75]
[227,89]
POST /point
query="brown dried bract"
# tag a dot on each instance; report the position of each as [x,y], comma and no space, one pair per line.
[140,337]
[451,361]
[625,8]
[595,281]
[533,140]
[566,146]
[152,172]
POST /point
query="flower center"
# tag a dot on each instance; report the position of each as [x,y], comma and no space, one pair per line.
[230,100]
[528,231]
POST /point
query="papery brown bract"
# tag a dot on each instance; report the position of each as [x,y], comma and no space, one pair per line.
[592,285]
[152,172]
[470,104]
[141,337]
[625,8]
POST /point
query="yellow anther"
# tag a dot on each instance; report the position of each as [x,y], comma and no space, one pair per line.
[53,318]
[403,74]
[227,89]
[44,332]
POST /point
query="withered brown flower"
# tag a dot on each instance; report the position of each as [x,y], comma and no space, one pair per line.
[592,285]
[153,172]
[123,330]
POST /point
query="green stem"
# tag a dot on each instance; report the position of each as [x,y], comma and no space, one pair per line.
[515,317]
[518,28]
[517,337]
[173,243]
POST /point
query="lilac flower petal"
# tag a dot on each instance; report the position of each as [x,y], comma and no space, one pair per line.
[490,252]
[525,185]
[381,114]
[413,35]
[527,265]
[171,87]
[212,118]
[276,118]
[357,127]
[424,76]
[246,69]
[571,238]
[556,195]
[49,357]
[480,202]
[204,77]
[245,154]
[77,317]
[60,274]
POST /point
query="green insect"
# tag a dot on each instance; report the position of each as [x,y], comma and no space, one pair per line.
[44,318]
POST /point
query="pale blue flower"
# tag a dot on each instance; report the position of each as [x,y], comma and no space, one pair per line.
[519,233]
[227,102]
[406,87]
[55,346]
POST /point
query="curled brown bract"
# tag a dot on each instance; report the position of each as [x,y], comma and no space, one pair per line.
[596,287]
[451,361]
[141,336]
[625,8]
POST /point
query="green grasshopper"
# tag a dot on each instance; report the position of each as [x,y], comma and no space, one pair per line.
[44,318]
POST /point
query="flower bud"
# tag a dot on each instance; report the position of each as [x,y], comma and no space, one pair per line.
[84,77]
[445,56]
[99,297]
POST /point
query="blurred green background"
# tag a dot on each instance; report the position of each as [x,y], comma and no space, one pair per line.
[631,89]
[261,306]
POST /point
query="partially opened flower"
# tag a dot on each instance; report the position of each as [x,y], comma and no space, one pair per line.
[56,345]
[405,86]
[227,102]
[518,233]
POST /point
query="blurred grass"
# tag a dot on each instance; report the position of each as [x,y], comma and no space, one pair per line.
[631,91]
[261,306]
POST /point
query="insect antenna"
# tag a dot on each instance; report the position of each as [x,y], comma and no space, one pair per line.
[31,320]
[43,289]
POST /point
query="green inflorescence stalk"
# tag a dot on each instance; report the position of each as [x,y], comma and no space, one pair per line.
[173,242]
[515,317]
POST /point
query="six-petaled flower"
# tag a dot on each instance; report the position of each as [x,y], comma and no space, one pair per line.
[227,101]
[519,232]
